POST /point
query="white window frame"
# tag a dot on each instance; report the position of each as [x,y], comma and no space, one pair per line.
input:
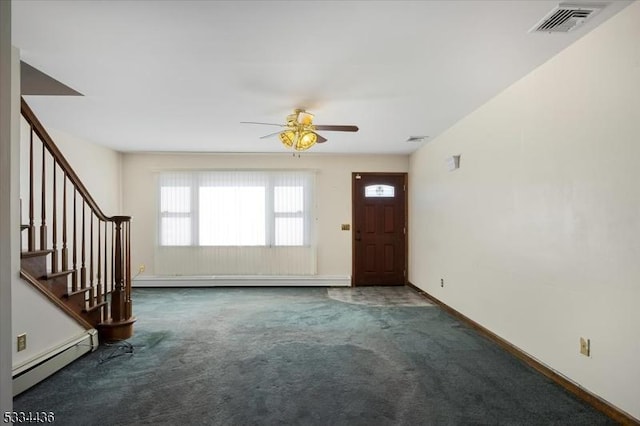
[271,179]
[178,180]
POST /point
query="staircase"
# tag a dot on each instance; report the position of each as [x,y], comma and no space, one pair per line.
[72,252]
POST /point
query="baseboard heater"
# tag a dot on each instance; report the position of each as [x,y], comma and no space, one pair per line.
[244,281]
[38,369]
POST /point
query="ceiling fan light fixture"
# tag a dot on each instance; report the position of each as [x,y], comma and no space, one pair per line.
[292,119]
[306,140]
[299,132]
[288,138]
[305,118]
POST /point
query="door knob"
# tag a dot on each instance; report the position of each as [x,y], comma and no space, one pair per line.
[358,235]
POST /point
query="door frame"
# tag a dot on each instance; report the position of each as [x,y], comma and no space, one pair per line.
[405,176]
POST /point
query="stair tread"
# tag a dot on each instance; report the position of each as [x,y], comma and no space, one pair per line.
[23,227]
[96,307]
[79,291]
[35,253]
[53,275]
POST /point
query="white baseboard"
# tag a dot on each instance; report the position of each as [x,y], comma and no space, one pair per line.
[244,281]
[35,370]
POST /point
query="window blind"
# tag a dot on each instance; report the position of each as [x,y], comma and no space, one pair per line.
[236,222]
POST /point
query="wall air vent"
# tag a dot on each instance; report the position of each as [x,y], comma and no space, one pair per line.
[565,17]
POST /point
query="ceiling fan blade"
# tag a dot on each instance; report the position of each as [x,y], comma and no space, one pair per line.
[265,124]
[336,128]
[320,138]
[270,135]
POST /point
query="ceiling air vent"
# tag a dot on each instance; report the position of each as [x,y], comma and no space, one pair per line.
[417,138]
[565,17]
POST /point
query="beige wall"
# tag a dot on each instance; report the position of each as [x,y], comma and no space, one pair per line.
[333,191]
[98,167]
[537,234]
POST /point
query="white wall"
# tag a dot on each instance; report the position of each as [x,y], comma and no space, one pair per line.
[333,191]
[537,235]
[99,168]
[46,326]
[9,145]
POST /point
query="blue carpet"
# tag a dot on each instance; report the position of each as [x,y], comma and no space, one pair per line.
[280,356]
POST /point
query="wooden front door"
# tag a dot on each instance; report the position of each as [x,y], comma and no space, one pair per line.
[379,228]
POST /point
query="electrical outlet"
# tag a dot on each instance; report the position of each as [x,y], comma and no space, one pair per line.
[22,342]
[585,346]
[141,268]
[441,282]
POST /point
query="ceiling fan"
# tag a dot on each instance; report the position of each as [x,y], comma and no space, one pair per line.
[299,131]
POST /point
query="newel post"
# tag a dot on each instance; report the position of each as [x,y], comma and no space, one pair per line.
[120,325]
[118,294]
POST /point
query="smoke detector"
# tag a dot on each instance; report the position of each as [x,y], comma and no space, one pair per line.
[566,17]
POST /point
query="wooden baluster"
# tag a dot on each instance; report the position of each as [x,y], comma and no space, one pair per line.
[54,222]
[124,268]
[109,285]
[65,254]
[74,275]
[113,256]
[43,205]
[99,271]
[31,233]
[83,268]
[92,291]
[128,307]
[105,286]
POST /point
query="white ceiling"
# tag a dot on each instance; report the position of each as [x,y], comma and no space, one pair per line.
[181,75]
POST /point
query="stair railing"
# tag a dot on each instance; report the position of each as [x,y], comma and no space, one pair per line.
[93,248]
